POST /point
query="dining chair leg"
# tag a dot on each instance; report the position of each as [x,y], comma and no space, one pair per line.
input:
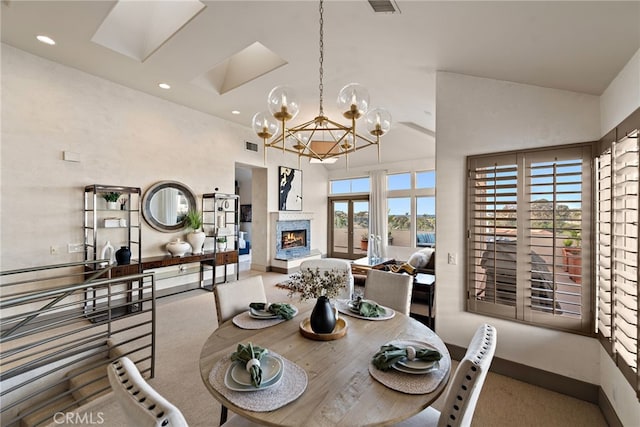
[223,415]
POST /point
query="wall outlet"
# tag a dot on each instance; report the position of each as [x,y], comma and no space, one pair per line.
[54,250]
[73,248]
[452,258]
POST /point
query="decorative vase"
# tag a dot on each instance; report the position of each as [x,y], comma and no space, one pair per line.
[108,253]
[112,205]
[178,248]
[323,317]
[196,240]
[123,255]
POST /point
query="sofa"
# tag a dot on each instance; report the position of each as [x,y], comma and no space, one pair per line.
[426,240]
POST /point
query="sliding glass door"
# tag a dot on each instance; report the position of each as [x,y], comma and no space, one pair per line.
[349,227]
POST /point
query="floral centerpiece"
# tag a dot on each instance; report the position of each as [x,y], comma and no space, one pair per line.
[314,284]
[321,285]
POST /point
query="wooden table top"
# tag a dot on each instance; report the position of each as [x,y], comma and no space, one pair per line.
[340,390]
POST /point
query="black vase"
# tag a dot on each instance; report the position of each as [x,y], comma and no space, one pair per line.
[323,318]
[123,255]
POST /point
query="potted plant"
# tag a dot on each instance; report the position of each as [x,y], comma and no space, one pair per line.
[572,256]
[222,243]
[364,242]
[196,237]
[112,199]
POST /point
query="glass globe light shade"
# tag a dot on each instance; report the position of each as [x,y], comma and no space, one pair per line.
[353,100]
[264,125]
[283,103]
[378,121]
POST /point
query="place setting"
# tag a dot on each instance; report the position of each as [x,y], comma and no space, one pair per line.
[364,309]
[410,366]
[263,315]
[257,379]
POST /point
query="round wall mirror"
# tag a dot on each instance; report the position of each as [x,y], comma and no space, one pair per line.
[165,205]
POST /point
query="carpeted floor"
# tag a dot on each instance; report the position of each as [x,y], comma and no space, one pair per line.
[186,320]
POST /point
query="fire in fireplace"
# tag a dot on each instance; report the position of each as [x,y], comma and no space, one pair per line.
[294,239]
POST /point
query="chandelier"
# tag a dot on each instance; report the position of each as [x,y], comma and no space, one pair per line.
[322,140]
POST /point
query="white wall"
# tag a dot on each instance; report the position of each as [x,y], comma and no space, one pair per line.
[124,137]
[620,99]
[474,116]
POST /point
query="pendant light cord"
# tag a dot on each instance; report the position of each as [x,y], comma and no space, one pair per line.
[321,86]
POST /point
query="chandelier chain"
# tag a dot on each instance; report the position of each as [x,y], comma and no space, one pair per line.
[320,85]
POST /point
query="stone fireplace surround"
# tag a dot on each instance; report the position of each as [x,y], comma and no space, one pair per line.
[287,259]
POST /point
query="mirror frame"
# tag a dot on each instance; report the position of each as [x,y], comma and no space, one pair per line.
[152,191]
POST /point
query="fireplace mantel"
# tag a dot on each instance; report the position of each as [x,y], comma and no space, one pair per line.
[291,216]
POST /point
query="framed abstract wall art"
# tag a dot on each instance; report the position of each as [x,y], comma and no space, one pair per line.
[290,189]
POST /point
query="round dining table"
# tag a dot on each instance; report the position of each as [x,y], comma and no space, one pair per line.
[340,389]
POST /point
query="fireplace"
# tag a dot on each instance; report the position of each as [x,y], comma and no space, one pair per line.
[294,239]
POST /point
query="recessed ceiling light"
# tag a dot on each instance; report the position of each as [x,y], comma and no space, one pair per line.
[46,40]
[235,112]
[165,85]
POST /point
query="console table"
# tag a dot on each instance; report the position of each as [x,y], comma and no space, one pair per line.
[208,258]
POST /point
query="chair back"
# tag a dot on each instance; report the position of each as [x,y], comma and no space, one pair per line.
[142,405]
[234,297]
[328,264]
[464,388]
[392,290]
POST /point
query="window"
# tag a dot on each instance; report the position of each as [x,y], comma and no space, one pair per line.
[399,181]
[529,224]
[617,247]
[347,186]
[426,179]
[411,209]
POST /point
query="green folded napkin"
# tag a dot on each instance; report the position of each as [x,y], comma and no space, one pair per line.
[370,309]
[244,354]
[282,310]
[389,354]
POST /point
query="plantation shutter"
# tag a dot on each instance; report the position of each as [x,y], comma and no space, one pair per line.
[618,248]
[522,208]
[492,201]
[559,237]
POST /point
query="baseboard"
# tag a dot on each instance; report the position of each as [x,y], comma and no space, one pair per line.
[607,409]
[571,387]
[555,382]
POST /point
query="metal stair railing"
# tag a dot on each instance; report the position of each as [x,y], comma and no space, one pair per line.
[60,326]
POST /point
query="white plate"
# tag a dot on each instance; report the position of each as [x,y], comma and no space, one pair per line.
[231,384]
[352,306]
[263,314]
[434,365]
[271,367]
[416,364]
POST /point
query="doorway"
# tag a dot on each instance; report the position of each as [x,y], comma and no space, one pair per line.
[349,227]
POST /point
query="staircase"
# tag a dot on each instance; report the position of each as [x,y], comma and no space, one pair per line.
[58,338]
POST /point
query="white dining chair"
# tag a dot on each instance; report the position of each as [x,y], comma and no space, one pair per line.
[234,297]
[464,387]
[142,405]
[392,290]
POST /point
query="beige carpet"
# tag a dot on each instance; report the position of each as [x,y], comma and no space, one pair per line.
[186,320]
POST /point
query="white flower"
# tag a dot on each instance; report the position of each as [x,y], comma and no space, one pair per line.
[313,283]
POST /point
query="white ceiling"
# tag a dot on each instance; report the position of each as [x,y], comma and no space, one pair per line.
[577,46]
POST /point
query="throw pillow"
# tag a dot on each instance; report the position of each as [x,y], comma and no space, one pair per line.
[418,260]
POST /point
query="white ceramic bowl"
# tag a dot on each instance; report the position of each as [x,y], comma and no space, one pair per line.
[178,247]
